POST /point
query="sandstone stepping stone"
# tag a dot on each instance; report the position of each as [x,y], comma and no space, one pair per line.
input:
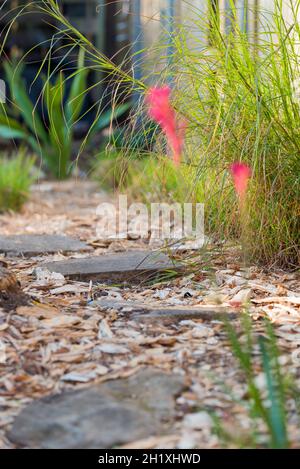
[33,245]
[180,314]
[103,416]
[143,312]
[132,266]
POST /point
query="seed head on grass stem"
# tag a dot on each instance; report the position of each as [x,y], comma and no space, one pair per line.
[241,174]
[162,112]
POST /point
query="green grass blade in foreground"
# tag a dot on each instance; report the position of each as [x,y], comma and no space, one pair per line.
[276,390]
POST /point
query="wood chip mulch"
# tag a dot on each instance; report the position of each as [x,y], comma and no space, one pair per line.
[61,340]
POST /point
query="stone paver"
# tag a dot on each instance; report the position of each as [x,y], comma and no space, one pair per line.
[102,416]
[33,245]
[132,267]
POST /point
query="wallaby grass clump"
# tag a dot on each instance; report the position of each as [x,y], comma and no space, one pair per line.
[143,177]
[112,171]
[239,98]
[16,177]
[239,95]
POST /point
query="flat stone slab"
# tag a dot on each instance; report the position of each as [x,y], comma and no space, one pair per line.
[132,267]
[142,312]
[103,416]
[34,245]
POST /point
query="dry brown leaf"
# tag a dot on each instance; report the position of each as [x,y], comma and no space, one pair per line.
[152,442]
[41,311]
[61,320]
[112,348]
[278,299]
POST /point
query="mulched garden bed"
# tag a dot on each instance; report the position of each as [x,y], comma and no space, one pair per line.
[73,334]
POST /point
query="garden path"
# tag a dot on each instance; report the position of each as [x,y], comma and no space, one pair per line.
[154,354]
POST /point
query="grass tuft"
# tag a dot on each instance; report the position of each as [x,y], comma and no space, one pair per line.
[269,405]
[16,177]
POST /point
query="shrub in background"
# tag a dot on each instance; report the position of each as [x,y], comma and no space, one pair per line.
[111,170]
[51,137]
[144,177]
[16,177]
[52,141]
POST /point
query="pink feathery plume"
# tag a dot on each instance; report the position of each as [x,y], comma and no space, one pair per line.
[162,112]
[241,174]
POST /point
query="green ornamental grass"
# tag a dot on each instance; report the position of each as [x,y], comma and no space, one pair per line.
[16,177]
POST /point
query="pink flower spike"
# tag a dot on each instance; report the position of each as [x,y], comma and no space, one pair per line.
[241,174]
[162,112]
